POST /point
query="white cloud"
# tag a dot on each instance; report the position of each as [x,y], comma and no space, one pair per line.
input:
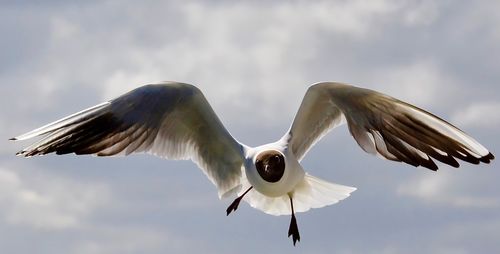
[47,202]
[479,115]
[446,188]
[421,12]
[123,239]
[421,83]
[351,18]
[389,249]
[262,61]
[62,29]
[219,45]
[118,239]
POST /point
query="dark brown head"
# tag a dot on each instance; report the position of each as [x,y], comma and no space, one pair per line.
[270,165]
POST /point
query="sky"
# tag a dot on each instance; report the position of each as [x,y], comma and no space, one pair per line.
[254,61]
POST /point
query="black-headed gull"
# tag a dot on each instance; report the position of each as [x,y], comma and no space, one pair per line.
[175,121]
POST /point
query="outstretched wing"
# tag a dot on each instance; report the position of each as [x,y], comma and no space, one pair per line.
[381,125]
[170,120]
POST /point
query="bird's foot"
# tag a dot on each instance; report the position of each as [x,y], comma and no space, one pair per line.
[233,205]
[293,230]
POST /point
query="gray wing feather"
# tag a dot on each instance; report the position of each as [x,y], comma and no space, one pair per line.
[171,120]
[381,125]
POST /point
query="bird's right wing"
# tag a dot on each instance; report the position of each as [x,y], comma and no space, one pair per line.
[381,125]
[170,120]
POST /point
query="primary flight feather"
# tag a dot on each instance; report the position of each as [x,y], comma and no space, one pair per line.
[175,121]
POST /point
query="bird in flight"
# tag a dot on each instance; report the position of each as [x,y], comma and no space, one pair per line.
[174,120]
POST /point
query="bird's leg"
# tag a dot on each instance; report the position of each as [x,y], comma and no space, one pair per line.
[293,230]
[236,202]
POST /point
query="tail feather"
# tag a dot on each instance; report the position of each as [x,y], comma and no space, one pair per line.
[311,192]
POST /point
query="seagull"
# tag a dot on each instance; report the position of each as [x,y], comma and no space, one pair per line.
[175,121]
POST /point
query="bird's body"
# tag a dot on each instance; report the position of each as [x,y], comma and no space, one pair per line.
[175,121]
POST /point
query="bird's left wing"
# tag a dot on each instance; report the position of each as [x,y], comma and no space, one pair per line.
[171,120]
[381,125]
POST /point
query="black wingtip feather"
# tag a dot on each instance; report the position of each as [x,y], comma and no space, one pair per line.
[431,137]
[62,152]
[455,163]
[429,164]
[487,158]
[12,139]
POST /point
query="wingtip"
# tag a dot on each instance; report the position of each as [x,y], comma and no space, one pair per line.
[12,139]
[24,153]
[430,164]
[490,156]
[487,158]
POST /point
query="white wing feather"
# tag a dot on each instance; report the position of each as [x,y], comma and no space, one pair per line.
[170,120]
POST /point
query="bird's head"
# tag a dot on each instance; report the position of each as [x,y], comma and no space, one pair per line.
[271,165]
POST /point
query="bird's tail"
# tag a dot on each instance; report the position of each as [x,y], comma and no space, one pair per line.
[311,192]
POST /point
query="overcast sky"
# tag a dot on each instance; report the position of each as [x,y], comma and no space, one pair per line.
[253,59]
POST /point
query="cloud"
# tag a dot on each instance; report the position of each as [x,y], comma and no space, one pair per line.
[470,235]
[421,82]
[126,239]
[48,202]
[479,115]
[421,12]
[447,189]
[351,18]
[211,45]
